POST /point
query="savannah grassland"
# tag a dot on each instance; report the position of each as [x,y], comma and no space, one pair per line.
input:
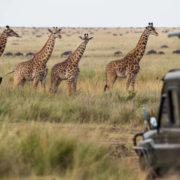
[88,135]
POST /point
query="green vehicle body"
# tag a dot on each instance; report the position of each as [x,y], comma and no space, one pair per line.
[159,147]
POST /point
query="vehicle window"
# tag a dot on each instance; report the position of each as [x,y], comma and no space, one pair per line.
[164,113]
[174,107]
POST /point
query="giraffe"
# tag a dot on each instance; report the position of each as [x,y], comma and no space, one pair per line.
[8,32]
[68,69]
[128,67]
[35,69]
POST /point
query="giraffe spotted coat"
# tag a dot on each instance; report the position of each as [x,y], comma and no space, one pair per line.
[68,69]
[128,67]
[35,69]
[8,32]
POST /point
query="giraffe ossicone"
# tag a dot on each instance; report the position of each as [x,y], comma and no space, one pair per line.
[8,32]
[128,67]
[68,70]
[35,69]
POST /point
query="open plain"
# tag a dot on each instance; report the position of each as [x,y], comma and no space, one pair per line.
[87,135]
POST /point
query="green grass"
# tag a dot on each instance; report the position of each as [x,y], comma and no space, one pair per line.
[32,144]
[42,150]
[109,108]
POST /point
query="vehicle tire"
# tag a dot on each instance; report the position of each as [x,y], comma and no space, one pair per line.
[151,176]
[142,162]
[153,173]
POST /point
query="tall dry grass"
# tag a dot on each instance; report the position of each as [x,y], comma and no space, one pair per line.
[40,150]
[35,151]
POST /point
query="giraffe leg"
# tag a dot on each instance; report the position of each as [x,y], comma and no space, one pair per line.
[135,72]
[43,84]
[43,81]
[35,83]
[128,81]
[74,84]
[111,78]
[23,82]
[54,85]
[57,85]
[18,81]
[133,79]
[69,83]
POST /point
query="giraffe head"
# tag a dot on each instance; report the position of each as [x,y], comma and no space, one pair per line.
[85,38]
[151,29]
[10,33]
[56,32]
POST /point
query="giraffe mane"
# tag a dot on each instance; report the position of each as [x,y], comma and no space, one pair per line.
[39,52]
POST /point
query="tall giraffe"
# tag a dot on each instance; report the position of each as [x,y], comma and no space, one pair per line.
[68,69]
[8,32]
[35,69]
[129,65]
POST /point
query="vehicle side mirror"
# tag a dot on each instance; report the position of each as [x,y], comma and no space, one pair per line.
[153,123]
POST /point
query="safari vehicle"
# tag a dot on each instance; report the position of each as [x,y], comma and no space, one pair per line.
[159,147]
[172,34]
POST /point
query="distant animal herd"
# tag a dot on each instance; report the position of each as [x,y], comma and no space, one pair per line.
[36,70]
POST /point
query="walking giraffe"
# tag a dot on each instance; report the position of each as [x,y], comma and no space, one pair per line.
[8,32]
[68,69]
[35,69]
[129,65]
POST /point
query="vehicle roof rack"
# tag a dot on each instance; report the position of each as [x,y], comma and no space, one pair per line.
[174,70]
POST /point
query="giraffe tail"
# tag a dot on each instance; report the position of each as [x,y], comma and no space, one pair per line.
[5,76]
[105,87]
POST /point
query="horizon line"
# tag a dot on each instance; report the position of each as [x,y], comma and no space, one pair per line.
[90,26]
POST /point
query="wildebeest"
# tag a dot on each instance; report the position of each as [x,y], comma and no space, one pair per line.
[8,54]
[165,31]
[18,54]
[117,53]
[66,53]
[176,51]
[29,54]
[164,46]
[151,52]
[38,36]
[161,52]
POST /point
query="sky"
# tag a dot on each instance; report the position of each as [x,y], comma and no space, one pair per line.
[90,13]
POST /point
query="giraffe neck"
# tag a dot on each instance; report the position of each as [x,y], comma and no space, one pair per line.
[3,41]
[44,54]
[141,45]
[77,54]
